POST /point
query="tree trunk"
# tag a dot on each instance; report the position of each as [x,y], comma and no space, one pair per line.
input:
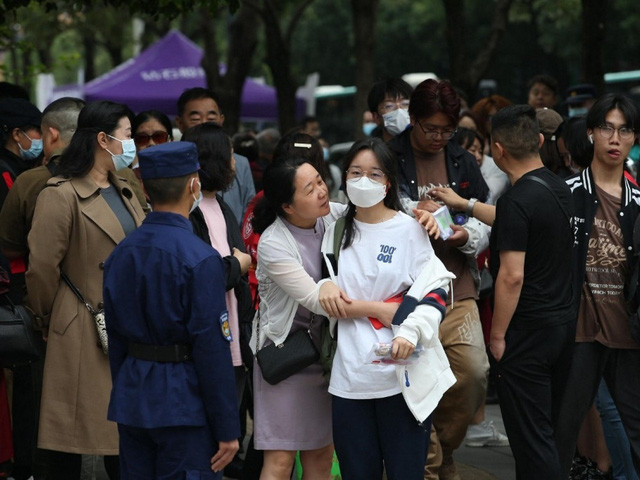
[456,41]
[279,61]
[364,27]
[89,43]
[279,57]
[466,74]
[115,53]
[593,36]
[243,37]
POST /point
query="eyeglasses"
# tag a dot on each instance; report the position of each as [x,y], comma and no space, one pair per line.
[625,133]
[374,174]
[391,106]
[142,139]
[432,133]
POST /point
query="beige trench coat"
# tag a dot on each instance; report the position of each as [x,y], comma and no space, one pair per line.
[74,229]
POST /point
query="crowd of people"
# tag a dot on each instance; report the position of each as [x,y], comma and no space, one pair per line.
[208,256]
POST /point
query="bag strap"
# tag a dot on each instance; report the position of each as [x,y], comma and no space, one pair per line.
[548,187]
[77,293]
[338,234]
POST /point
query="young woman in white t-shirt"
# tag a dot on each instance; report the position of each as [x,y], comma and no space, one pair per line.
[381,412]
[295,414]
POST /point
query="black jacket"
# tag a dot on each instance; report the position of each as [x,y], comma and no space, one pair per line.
[585,204]
[234,277]
[462,170]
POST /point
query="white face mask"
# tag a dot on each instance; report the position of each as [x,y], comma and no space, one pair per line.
[198,199]
[364,192]
[396,121]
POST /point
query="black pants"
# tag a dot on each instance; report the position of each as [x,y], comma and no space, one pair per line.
[621,371]
[27,389]
[531,375]
[68,466]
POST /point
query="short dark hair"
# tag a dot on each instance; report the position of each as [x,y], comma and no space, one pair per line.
[268,140]
[62,114]
[388,165]
[294,144]
[574,134]
[196,93]
[166,191]
[278,184]
[78,158]
[246,144]
[214,154]
[517,129]
[465,137]
[392,87]
[613,101]
[142,117]
[433,96]
[546,80]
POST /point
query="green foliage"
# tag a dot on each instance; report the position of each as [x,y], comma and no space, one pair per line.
[170,8]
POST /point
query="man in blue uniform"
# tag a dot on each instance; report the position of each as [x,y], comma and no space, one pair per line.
[174,394]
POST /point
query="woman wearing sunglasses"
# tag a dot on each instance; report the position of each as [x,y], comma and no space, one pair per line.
[150,128]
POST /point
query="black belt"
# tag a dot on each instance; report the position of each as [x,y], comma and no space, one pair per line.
[160,353]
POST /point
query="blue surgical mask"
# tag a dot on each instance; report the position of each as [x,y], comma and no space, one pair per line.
[34,150]
[124,159]
[198,199]
[578,112]
[325,154]
[368,127]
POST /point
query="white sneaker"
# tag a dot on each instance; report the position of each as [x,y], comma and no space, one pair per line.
[485,434]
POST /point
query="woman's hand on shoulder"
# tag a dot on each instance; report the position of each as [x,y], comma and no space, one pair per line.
[402,348]
[333,299]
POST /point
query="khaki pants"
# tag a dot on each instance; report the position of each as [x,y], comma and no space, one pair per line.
[462,339]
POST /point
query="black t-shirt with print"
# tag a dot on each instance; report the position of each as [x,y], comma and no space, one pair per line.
[529,219]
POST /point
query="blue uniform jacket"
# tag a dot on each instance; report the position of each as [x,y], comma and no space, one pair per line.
[164,286]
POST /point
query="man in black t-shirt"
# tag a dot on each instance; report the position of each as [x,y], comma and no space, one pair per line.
[533,320]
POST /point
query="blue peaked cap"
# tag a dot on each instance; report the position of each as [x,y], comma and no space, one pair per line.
[168,160]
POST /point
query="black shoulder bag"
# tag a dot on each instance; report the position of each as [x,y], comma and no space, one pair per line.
[19,342]
[297,352]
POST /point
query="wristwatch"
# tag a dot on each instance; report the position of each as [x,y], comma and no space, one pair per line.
[472,202]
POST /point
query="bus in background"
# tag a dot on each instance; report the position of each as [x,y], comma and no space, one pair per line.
[624,82]
[335,108]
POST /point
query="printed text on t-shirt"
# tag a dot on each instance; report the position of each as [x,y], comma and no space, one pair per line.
[386,253]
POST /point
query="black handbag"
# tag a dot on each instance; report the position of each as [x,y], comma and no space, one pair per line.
[297,352]
[19,342]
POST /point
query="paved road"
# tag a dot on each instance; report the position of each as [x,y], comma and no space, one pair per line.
[473,463]
[486,463]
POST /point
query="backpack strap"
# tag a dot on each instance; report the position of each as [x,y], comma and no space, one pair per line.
[338,234]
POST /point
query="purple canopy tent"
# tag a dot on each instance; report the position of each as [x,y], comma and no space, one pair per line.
[157,76]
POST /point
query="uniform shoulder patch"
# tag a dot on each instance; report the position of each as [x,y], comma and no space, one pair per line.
[224,326]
